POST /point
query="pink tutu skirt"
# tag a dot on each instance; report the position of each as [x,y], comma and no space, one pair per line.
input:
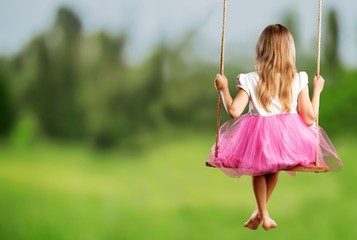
[258,145]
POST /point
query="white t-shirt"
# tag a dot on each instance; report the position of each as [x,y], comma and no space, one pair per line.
[249,82]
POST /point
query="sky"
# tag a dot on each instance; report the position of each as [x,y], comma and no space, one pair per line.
[146,22]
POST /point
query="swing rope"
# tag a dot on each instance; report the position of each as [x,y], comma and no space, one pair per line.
[316,166]
[221,71]
[319,38]
[318,69]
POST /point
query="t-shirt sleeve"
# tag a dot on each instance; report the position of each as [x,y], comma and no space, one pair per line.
[241,82]
[304,80]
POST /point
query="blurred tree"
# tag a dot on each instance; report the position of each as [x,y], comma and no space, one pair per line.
[68,25]
[151,93]
[332,42]
[103,70]
[7,112]
[56,88]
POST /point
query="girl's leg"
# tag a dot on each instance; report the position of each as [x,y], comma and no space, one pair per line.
[260,193]
[260,190]
[270,181]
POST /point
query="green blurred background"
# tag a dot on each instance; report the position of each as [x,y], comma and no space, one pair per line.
[105,128]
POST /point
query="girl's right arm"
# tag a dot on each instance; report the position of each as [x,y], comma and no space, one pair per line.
[236,106]
[309,110]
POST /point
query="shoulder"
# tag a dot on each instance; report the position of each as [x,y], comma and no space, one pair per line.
[247,81]
[251,78]
[248,77]
[302,80]
[303,75]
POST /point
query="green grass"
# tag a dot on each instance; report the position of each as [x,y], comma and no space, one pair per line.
[69,192]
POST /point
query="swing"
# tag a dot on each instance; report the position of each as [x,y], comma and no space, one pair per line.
[315,167]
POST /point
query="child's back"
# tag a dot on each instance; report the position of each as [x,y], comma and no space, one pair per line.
[249,83]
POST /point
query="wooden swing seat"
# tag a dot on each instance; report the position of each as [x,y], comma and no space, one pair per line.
[321,168]
[311,168]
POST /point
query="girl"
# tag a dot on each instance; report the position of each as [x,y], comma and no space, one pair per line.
[279,132]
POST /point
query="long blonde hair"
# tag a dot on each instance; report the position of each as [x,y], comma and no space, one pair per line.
[275,64]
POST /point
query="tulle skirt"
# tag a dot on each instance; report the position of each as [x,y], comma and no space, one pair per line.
[257,145]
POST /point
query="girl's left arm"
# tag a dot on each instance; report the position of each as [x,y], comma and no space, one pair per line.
[236,106]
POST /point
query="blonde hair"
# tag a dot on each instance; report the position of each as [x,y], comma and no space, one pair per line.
[275,64]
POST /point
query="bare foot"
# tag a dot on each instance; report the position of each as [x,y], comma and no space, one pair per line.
[253,222]
[268,223]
